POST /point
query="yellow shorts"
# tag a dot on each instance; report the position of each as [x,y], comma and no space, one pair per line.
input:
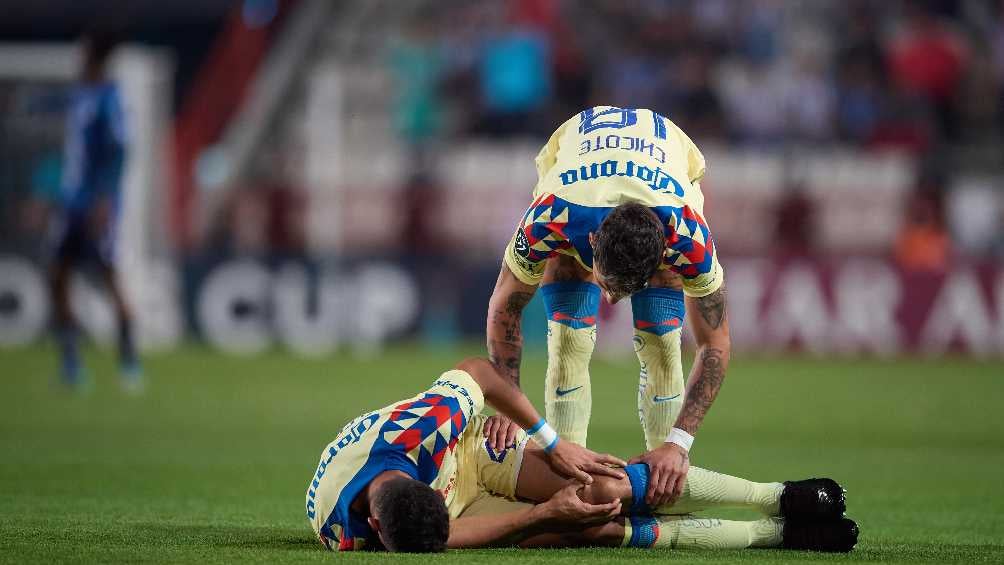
[485,479]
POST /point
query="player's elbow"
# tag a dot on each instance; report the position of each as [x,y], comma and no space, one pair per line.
[718,338]
[473,365]
[483,373]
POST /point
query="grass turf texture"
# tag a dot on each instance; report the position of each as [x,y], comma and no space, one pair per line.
[211,464]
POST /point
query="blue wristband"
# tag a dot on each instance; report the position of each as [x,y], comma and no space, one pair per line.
[543,435]
[551,446]
[536,427]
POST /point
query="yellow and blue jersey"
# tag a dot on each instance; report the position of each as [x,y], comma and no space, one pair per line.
[604,157]
[417,436]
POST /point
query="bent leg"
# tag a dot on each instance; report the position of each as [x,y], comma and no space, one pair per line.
[572,301]
[669,532]
[658,328]
[689,532]
[537,482]
[706,489]
[703,490]
[610,534]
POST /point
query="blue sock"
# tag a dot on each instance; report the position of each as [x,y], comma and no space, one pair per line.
[69,352]
[638,477]
[644,531]
[658,310]
[127,347]
[573,303]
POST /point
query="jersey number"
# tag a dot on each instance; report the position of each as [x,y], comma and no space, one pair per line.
[617,118]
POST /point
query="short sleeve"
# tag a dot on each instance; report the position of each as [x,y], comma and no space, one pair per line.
[696,166]
[462,388]
[537,238]
[419,432]
[691,253]
[529,270]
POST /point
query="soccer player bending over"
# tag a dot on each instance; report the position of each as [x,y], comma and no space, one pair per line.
[618,212]
[419,476]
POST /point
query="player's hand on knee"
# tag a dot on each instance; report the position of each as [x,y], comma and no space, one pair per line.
[500,432]
[667,473]
[567,508]
[576,462]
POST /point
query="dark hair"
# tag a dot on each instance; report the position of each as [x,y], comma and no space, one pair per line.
[629,247]
[99,45]
[412,516]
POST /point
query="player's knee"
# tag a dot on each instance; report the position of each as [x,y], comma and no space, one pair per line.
[666,278]
[605,489]
[658,311]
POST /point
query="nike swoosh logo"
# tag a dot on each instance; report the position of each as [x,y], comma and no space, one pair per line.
[560,392]
[658,398]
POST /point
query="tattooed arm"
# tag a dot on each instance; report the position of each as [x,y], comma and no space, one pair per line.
[711,330]
[505,345]
[669,463]
[505,317]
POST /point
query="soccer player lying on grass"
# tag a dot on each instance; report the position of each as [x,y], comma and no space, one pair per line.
[419,476]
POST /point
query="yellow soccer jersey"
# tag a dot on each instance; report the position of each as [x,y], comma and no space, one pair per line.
[604,157]
[417,436]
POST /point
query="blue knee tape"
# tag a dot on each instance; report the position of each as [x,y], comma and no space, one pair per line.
[638,477]
[658,310]
[574,304]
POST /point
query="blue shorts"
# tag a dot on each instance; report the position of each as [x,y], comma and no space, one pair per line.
[76,241]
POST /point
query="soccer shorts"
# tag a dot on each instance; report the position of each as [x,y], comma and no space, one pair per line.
[485,479]
[72,240]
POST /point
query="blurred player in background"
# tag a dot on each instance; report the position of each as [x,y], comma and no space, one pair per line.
[86,221]
[618,211]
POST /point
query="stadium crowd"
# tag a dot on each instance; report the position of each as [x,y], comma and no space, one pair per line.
[922,77]
[904,74]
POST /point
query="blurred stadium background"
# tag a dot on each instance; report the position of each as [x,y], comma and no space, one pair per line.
[287,155]
[311,183]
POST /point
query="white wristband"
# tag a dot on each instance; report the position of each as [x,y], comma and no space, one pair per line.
[681,438]
[543,435]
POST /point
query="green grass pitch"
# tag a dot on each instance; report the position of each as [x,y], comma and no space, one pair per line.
[211,464]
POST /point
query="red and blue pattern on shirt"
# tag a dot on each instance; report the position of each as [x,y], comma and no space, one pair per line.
[414,439]
[552,224]
[418,427]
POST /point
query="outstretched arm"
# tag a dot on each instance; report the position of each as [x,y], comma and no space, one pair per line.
[494,530]
[505,344]
[711,330]
[505,318]
[669,463]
